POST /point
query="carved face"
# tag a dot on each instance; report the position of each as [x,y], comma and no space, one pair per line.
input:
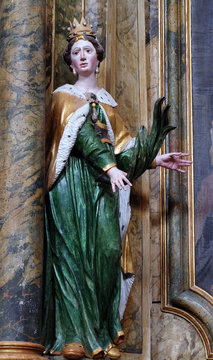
[84,58]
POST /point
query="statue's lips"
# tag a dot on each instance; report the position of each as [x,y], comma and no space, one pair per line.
[83,64]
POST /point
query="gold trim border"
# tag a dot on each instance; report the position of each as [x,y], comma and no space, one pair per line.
[109,166]
[83,8]
[190,195]
[20,350]
[163,232]
[189,117]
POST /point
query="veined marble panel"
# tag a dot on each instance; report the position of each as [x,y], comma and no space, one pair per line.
[96,11]
[174,338]
[152,64]
[152,54]
[127,73]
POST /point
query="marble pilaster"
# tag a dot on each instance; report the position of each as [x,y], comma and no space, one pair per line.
[22,95]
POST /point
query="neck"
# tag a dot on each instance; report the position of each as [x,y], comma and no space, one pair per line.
[87,83]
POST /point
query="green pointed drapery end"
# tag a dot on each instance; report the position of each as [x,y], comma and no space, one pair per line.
[139,158]
[160,127]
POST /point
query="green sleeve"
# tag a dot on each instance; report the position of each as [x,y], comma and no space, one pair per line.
[139,158]
[89,145]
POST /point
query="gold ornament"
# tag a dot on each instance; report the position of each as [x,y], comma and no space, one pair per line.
[78,30]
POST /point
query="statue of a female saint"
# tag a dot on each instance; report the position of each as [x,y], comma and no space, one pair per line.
[91,164]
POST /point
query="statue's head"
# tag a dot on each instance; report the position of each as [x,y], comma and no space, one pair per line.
[79,33]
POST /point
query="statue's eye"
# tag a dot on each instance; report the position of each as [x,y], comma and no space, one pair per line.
[75,52]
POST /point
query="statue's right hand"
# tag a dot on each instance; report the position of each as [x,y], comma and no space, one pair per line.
[118,178]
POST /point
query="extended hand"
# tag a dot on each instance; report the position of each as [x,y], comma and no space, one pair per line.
[173,161]
[118,178]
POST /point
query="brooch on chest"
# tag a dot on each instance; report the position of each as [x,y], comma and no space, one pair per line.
[100,128]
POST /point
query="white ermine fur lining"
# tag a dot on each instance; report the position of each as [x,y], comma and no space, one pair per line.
[102,95]
[70,134]
[69,137]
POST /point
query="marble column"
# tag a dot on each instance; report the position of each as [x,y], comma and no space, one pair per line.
[22,113]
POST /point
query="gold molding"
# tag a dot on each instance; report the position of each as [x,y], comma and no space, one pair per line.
[191,265]
[202,292]
[83,8]
[13,350]
[163,232]
[162,91]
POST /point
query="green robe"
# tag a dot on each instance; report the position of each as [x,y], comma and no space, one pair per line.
[83,246]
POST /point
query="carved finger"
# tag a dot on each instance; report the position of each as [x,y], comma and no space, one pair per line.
[122,186]
[127,181]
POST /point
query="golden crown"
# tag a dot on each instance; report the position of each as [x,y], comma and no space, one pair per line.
[78,30]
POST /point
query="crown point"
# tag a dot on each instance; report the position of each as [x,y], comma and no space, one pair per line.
[78,30]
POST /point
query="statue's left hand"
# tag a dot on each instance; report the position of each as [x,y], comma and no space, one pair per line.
[173,161]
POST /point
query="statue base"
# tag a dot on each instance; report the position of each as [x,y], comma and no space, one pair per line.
[13,350]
